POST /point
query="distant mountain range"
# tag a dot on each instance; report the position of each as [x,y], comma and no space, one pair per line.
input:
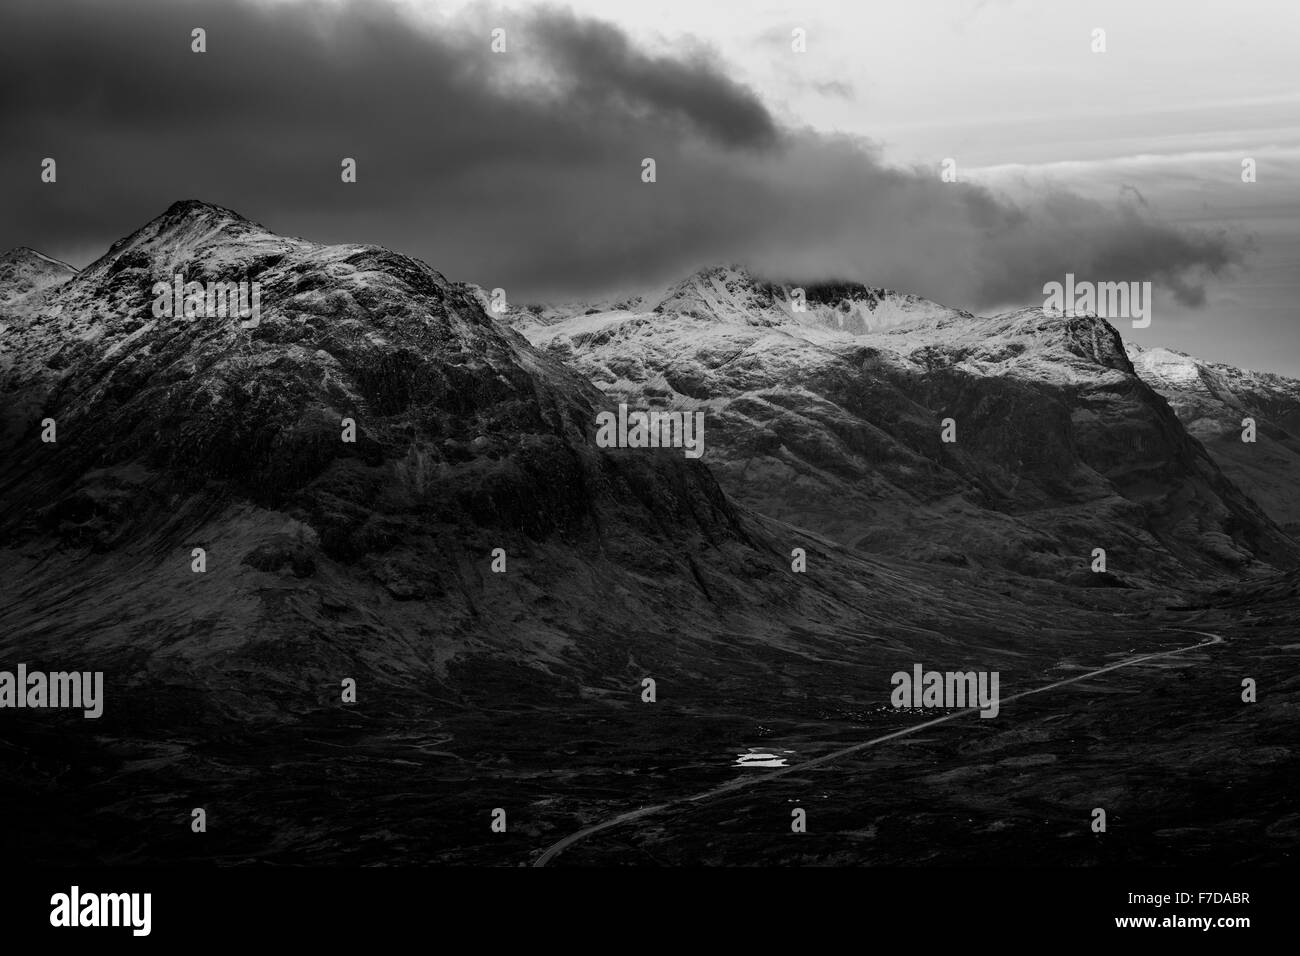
[501,585]
[327,558]
[1212,400]
[830,418]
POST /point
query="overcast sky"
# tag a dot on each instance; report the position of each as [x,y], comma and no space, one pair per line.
[523,169]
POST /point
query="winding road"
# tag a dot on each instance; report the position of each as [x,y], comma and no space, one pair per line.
[741,783]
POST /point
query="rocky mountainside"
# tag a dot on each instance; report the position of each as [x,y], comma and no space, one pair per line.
[730,294]
[521,685]
[26,276]
[177,433]
[831,419]
[1212,400]
[327,558]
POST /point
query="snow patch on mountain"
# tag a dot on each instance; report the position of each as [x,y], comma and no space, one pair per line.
[1213,401]
[26,276]
[829,419]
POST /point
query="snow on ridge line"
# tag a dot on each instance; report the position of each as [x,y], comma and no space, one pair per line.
[22,254]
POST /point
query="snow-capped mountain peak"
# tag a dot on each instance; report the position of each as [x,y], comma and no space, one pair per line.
[179,235]
[25,255]
[26,276]
[731,293]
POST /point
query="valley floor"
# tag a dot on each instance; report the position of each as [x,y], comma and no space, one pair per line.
[1187,772]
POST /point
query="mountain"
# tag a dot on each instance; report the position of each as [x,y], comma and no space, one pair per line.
[177,433]
[328,558]
[509,595]
[1212,400]
[26,276]
[730,294]
[831,419]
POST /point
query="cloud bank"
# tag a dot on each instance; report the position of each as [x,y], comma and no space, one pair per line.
[519,169]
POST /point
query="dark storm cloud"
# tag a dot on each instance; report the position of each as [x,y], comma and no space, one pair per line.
[599,65]
[520,170]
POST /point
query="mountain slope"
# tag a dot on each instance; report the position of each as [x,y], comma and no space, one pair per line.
[373,561]
[175,433]
[836,427]
[327,558]
[1211,400]
[26,277]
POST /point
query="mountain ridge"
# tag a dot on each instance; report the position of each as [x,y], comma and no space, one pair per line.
[1214,400]
[852,414]
[327,557]
[27,277]
[506,597]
